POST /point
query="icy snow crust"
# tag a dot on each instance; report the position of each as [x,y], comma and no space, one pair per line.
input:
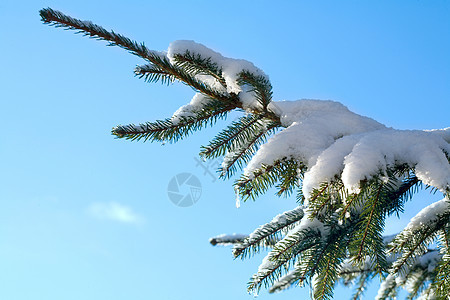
[444,133]
[429,214]
[330,140]
[311,127]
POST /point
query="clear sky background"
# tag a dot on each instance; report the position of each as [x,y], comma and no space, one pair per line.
[87,216]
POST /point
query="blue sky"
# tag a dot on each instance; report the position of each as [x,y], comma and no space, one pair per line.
[86,216]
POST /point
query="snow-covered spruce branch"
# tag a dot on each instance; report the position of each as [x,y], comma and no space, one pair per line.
[170,67]
[285,171]
[167,72]
[230,138]
[173,129]
[320,264]
[416,279]
[441,281]
[260,86]
[266,234]
[378,199]
[282,256]
[421,231]
[195,63]
[323,267]
[160,63]
[313,246]
[227,239]
[349,171]
[367,239]
[243,152]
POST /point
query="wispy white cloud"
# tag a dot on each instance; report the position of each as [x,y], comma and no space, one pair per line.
[114,211]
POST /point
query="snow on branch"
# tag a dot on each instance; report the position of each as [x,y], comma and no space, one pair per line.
[265,234]
[230,67]
[429,214]
[227,239]
[350,171]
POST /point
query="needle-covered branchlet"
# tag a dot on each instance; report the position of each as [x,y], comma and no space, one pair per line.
[349,173]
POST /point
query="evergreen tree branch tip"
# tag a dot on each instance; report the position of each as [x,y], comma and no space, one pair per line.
[349,171]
